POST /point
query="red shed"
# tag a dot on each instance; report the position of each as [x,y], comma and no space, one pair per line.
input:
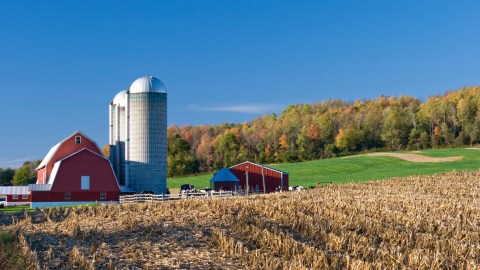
[257,175]
[16,195]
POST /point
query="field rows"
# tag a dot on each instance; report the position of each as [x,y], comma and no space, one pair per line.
[422,222]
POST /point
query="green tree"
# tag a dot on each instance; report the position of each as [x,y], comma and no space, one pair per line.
[347,139]
[309,146]
[419,139]
[6,176]
[180,157]
[396,128]
[371,125]
[26,174]
[226,148]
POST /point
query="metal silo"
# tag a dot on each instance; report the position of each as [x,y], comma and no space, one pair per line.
[146,135]
[118,135]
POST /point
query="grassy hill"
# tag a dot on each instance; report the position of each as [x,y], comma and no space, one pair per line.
[359,168]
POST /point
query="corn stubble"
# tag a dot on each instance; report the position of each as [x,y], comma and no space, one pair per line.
[422,222]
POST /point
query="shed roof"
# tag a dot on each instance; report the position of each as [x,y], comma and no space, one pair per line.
[224,175]
[40,187]
[260,165]
[14,190]
[126,189]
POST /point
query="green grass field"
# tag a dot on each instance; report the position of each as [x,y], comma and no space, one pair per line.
[358,168]
[16,208]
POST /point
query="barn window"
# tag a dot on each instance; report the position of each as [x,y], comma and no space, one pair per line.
[103,195]
[15,197]
[67,195]
[85,182]
[24,197]
[78,139]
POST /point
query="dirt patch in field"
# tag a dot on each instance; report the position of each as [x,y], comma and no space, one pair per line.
[416,157]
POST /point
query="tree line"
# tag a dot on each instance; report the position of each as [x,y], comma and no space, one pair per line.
[314,131]
[24,175]
[327,129]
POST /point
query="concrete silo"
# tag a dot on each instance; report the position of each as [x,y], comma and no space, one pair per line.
[145,141]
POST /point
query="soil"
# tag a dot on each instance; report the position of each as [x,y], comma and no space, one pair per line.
[416,157]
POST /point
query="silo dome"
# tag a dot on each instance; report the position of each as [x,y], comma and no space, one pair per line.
[147,84]
[120,98]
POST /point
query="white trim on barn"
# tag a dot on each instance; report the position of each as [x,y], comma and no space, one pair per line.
[54,149]
[49,156]
[51,179]
[54,172]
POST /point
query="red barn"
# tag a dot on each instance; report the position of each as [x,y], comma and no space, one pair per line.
[74,171]
[257,175]
[68,146]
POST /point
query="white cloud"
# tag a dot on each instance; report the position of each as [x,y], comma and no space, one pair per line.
[245,108]
[13,163]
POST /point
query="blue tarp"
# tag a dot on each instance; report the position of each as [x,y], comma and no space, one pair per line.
[224,175]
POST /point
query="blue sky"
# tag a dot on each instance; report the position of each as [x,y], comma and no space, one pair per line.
[222,61]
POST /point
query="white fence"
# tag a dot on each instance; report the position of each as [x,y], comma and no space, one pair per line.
[169,197]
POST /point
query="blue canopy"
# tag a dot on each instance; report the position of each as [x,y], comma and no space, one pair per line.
[224,175]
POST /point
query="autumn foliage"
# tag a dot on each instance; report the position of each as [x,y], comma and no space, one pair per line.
[333,127]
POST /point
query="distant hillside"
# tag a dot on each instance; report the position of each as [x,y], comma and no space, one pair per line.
[360,168]
[327,129]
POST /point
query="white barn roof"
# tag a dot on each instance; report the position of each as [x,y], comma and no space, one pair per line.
[54,149]
[14,190]
[49,155]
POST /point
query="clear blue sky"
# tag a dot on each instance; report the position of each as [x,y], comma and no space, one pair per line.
[222,61]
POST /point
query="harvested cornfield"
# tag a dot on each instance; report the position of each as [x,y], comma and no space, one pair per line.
[423,222]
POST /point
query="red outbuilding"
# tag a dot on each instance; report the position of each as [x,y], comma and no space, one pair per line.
[74,171]
[258,175]
[16,195]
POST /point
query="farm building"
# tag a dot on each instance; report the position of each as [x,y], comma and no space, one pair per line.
[74,171]
[68,146]
[16,195]
[260,178]
[224,179]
